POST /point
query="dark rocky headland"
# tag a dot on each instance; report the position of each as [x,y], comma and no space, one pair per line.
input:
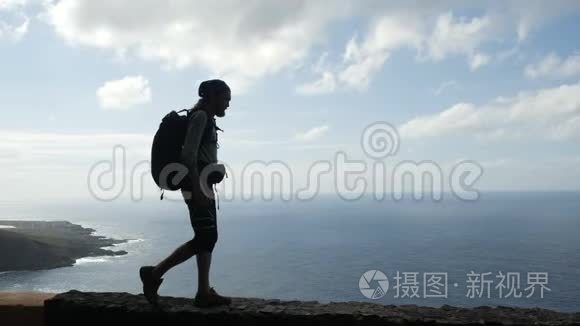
[36,245]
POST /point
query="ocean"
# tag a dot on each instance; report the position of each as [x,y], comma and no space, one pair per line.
[516,249]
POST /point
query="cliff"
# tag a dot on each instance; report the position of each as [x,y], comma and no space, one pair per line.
[36,245]
[120,308]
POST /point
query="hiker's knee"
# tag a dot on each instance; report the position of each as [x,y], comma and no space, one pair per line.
[206,240]
[192,246]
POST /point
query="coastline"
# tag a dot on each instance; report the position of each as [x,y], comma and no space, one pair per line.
[39,245]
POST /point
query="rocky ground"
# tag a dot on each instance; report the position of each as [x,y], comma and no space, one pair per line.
[103,308]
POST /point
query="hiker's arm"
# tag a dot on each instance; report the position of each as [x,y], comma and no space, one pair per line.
[191,145]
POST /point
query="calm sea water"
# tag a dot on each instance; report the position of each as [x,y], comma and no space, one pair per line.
[319,250]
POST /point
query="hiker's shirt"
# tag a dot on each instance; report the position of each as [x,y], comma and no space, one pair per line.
[200,144]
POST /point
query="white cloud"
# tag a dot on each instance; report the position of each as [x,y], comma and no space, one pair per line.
[530,15]
[458,35]
[359,74]
[235,39]
[445,86]
[14,22]
[362,60]
[321,65]
[436,31]
[515,53]
[566,129]
[552,113]
[124,93]
[553,66]
[14,32]
[433,35]
[312,134]
[478,60]
[6,5]
[326,84]
[245,41]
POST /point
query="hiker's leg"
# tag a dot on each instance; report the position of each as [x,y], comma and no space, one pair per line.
[207,240]
[208,235]
[181,254]
[203,266]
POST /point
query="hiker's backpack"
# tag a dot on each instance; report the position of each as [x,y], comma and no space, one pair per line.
[166,151]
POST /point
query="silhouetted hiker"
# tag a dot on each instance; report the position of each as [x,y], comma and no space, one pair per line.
[199,151]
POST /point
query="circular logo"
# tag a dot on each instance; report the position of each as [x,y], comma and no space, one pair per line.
[373,284]
[380,140]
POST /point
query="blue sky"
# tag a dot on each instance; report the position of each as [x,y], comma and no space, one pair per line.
[497,83]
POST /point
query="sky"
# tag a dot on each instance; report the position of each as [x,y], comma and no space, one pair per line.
[494,83]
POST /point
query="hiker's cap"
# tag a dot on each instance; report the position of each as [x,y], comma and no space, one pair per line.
[209,88]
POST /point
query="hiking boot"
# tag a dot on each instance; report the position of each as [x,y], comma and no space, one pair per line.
[211,299]
[150,284]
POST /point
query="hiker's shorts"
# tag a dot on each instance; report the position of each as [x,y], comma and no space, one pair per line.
[204,223]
